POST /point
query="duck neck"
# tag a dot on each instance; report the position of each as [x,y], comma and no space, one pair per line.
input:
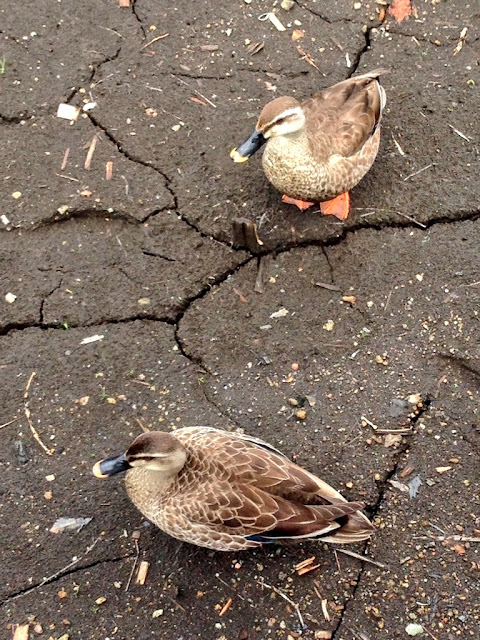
[293,145]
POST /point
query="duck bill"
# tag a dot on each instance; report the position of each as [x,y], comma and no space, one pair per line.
[248,148]
[110,466]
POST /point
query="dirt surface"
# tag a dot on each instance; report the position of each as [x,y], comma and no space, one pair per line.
[143,264]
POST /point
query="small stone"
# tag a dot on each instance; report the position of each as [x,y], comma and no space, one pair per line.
[62,594]
[100,600]
[17,195]
[357,5]
[287,4]
[414,629]
[301,414]
[157,613]
[50,478]
[328,326]
[293,402]
[38,628]
[10,298]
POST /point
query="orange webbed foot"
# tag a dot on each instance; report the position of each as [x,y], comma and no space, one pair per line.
[338,207]
[301,204]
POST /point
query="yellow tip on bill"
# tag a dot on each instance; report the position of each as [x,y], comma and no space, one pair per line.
[97,471]
[237,157]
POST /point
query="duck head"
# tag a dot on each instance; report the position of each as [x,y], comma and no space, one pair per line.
[280,117]
[154,451]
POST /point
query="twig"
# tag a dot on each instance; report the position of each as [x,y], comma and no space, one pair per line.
[338,563]
[459,133]
[67,177]
[388,301]
[198,93]
[404,215]
[370,424]
[91,150]
[65,158]
[59,573]
[429,633]
[362,558]
[415,173]
[142,426]
[35,434]
[326,285]
[285,597]
[137,554]
[259,287]
[154,40]
[5,424]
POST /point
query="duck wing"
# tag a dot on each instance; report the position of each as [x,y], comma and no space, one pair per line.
[341,118]
[245,487]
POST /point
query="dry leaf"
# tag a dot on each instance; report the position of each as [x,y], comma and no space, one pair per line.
[400,9]
[392,439]
[459,549]
[255,47]
[198,101]
[297,34]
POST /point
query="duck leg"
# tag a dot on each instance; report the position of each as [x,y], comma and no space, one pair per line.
[301,204]
[338,207]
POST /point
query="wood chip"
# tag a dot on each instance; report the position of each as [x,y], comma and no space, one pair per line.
[123,3]
[226,607]
[297,34]
[305,570]
[304,563]
[142,572]
[21,632]
[209,47]
[91,150]
[109,170]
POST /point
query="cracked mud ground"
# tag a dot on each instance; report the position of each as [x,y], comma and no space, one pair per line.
[145,260]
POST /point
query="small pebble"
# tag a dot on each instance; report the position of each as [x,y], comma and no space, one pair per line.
[301,414]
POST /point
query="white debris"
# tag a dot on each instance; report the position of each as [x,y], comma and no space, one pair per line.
[10,298]
[69,524]
[67,111]
[281,313]
[94,338]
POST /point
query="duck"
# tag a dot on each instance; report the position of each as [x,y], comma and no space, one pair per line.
[316,151]
[231,491]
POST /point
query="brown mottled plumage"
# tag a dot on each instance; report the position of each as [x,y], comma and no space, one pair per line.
[322,147]
[228,491]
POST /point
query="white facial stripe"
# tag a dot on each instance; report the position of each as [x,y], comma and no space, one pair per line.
[294,111]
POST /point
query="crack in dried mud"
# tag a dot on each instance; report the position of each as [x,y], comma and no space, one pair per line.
[166,178]
[61,575]
[375,508]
